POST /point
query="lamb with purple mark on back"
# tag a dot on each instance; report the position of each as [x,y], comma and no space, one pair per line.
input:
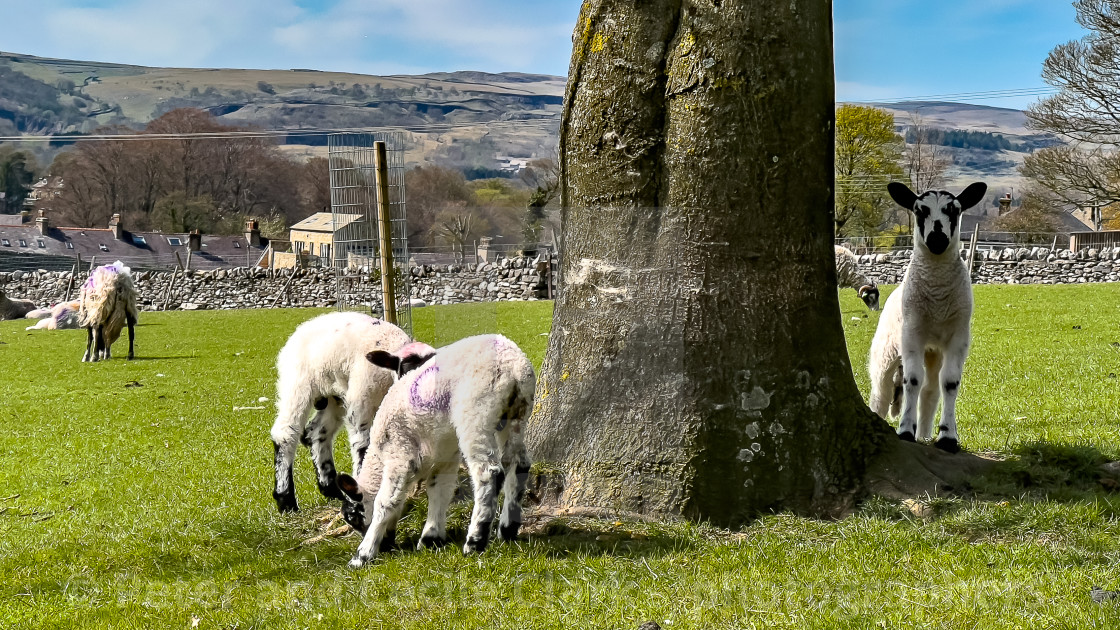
[62,316]
[470,398]
[323,366]
[106,304]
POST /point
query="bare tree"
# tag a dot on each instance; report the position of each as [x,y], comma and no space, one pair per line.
[458,225]
[1085,111]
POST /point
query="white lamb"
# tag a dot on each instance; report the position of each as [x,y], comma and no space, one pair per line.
[924,329]
[470,398]
[848,276]
[106,303]
[62,316]
[323,366]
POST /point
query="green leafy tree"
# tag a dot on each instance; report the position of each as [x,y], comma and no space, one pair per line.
[868,153]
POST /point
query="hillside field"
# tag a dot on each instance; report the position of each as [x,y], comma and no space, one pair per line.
[135,494]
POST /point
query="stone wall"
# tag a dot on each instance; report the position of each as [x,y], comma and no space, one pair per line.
[1013,265]
[510,279]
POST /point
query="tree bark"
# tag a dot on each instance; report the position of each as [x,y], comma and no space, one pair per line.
[697,366]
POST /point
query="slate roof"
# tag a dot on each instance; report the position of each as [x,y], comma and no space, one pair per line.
[136,249]
[324,222]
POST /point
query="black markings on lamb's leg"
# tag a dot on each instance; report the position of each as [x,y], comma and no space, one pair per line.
[477,543]
[943,429]
[507,531]
[362,455]
[286,499]
[320,404]
[913,381]
[952,386]
[906,436]
[328,482]
[433,542]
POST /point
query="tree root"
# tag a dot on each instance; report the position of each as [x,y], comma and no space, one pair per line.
[904,470]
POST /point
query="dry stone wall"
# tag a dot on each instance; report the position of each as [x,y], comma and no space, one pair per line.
[241,287]
[1013,265]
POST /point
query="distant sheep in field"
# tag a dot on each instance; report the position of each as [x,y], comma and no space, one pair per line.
[107,303]
[323,366]
[62,316]
[922,340]
[14,309]
[848,276]
[470,398]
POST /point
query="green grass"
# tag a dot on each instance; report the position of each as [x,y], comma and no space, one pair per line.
[144,499]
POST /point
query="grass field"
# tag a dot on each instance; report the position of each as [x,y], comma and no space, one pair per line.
[133,494]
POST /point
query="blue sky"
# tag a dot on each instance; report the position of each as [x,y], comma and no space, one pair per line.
[885,49]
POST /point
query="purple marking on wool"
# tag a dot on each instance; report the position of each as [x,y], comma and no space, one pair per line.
[439,402]
[89,283]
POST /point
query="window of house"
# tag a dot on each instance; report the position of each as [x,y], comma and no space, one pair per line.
[103,247]
[237,245]
[22,243]
[69,245]
[42,244]
[174,241]
[138,240]
[6,242]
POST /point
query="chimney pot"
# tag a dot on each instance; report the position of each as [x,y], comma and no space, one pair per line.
[194,240]
[252,233]
[116,227]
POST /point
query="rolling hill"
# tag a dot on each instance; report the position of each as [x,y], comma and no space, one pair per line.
[464,119]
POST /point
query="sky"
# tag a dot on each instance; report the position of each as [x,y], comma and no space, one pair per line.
[885,49]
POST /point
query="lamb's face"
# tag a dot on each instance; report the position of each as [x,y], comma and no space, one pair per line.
[937,214]
[870,296]
[353,503]
[404,360]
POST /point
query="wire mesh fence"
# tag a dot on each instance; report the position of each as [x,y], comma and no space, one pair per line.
[353,167]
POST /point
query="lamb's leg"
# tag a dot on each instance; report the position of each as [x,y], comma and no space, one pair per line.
[517,477]
[927,402]
[319,435]
[487,477]
[440,489]
[387,508]
[882,388]
[131,324]
[286,432]
[950,381]
[98,342]
[87,357]
[360,409]
[913,375]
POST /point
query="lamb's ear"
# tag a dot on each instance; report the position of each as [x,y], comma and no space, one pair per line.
[413,361]
[380,358]
[349,487]
[972,195]
[902,195]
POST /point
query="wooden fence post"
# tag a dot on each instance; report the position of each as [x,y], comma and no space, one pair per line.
[388,292]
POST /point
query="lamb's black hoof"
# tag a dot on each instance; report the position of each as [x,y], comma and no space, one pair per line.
[474,546]
[331,490]
[508,533]
[906,437]
[432,542]
[949,445]
[389,542]
[286,503]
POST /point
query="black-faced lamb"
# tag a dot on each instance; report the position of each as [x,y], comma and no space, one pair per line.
[920,346]
[106,304]
[62,316]
[14,309]
[848,276]
[323,367]
[470,398]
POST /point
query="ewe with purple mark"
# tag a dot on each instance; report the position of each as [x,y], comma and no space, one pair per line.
[470,399]
[924,332]
[106,304]
[323,367]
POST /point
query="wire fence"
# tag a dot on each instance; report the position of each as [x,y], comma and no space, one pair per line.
[985,240]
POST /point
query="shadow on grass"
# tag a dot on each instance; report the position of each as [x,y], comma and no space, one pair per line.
[1045,471]
[178,358]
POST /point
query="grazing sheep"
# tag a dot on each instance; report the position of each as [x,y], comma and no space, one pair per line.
[14,309]
[923,336]
[848,276]
[63,316]
[470,398]
[323,366]
[106,304]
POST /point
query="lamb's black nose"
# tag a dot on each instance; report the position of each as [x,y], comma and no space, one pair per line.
[937,242]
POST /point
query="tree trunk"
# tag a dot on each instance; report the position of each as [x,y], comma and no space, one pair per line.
[697,365]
